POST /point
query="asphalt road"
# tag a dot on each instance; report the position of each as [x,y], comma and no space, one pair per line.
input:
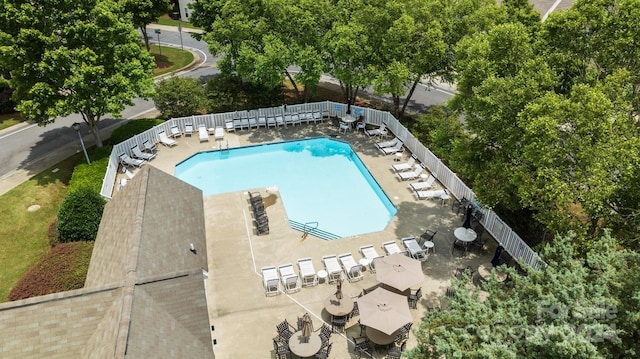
[28,149]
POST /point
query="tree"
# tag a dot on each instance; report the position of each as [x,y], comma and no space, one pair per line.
[72,57]
[144,12]
[180,96]
[574,308]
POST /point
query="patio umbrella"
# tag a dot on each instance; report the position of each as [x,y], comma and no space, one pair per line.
[339,289]
[384,310]
[307,326]
[467,219]
[399,271]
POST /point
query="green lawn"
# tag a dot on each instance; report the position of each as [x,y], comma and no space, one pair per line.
[171,59]
[165,20]
[9,119]
[23,234]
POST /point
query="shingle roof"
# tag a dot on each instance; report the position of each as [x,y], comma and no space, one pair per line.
[144,295]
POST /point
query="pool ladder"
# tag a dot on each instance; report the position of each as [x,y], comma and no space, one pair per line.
[223,149]
[306,228]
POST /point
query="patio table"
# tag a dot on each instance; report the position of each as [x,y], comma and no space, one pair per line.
[305,348]
[465,234]
[338,307]
[379,337]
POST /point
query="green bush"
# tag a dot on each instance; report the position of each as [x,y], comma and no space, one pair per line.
[79,215]
[132,128]
[91,176]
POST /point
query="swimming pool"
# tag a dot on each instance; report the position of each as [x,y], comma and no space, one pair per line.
[320,180]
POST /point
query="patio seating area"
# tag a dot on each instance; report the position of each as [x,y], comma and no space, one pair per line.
[239,255]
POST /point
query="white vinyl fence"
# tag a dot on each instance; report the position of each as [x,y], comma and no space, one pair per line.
[503,234]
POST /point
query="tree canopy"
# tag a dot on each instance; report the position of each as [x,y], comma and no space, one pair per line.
[574,308]
[144,12]
[68,57]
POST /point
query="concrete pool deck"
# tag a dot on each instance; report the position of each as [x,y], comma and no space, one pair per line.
[243,318]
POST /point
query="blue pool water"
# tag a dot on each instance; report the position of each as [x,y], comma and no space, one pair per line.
[319,180]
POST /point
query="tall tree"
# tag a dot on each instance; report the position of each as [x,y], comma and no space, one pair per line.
[72,57]
[144,12]
[574,308]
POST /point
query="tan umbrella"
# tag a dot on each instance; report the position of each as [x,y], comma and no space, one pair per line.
[339,289]
[384,310]
[399,271]
[307,326]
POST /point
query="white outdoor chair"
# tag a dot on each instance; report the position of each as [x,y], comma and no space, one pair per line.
[126,160]
[414,249]
[432,194]
[380,131]
[137,153]
[175,132]
[420,186]
[188,129]
[149,146]
[353,269]
[370,254]
[391,247]
[307,272]
[332,267]
[289,278]
[203,133]
[388,143]
[393,149]
[165,140]
[409,175]
[270,280]
[400,167]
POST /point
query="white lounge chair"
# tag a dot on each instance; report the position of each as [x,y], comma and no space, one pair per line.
[188,129]
[414,249]
[149,146]
[432,194]
[382,130]
[307,272]
[289,278]
[393,149]
[203,133]
[317,117]
[218,133]
[409,175]
[162,137]
[370,254]
[271,122]
[253,123]
[353,269]
[228,124]
[270,280]
[175,132]
[137,153]
[388,143]
[126,160]
[421,186]
[262,121]
[279,121]
[391,247]
[332,267]
[400,167]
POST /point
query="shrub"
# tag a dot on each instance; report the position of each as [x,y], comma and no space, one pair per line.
[91,176]
[63,268]
[79,215]
[132,128]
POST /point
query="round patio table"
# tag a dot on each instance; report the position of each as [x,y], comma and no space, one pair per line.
[379,337]
[338,307]
[302,347]
[465,234]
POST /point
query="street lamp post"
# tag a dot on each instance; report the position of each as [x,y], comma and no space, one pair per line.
[76,126]
[157,31]
[177,16]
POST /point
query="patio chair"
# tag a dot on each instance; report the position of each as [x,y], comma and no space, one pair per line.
[137,153]
[344,127]
[126,160]
[307,272]
[165,140]
[409,175]
[362,345]
[400,167]
[218,133]
[332,267]
[289,278]
[414,249]
[228,125]
[389,143]
[279,121]
[281,350]
[414,297]
[403,333]
[431,194]
[424,185]
[396,351]
[262,121]
[353,269]
[203,133]
[271,122]
[270,280]
[325,334]
[149,146]
[188,129]
[175,132]
[393,149]
[382,130]
[317,117]
[361,125]
[391,247]
[324,352]
[338,323]
[253,123]
[295,119]
[370,253]
[459,246]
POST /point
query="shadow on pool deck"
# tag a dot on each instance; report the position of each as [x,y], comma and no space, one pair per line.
[243,318]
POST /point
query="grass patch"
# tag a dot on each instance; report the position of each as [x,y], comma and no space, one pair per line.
[23,234]
[171,59]
[63,268]
[9,119]
[167,21]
